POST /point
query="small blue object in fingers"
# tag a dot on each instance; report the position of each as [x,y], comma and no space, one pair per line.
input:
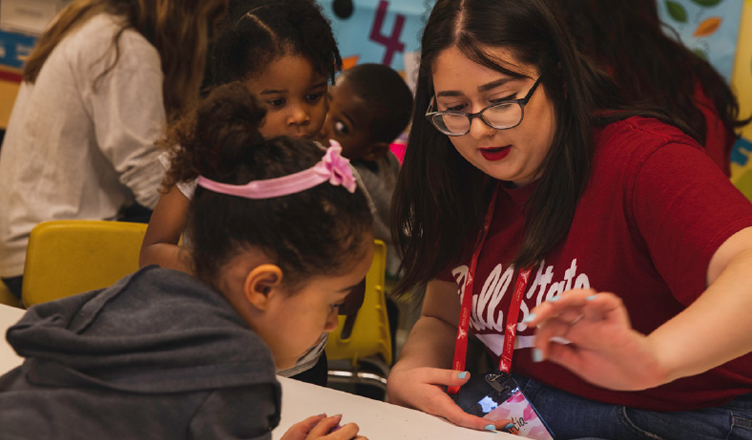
[537,355]
[509,427]
[462,375]
[554,298]
[490,428]
[590,298]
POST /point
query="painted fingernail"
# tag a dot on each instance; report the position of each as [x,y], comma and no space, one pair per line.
[554,298]
[590,298]
[529,318]
[462,375]
[491,428]
[509,426]
[537,355]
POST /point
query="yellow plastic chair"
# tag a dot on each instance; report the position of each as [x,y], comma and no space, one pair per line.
[6,297]
[370,336]
[66,257]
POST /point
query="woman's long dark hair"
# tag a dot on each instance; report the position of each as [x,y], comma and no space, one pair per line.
[440,200]
[648,65]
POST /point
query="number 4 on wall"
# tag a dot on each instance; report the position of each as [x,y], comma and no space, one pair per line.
[392,42]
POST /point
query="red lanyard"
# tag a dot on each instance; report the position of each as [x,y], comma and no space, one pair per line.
[510,331]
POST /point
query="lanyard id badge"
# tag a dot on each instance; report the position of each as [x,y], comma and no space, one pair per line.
[496,396]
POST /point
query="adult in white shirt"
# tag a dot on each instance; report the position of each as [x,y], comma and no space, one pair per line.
[97,93]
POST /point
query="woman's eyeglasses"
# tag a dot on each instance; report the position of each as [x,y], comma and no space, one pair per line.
[501,116]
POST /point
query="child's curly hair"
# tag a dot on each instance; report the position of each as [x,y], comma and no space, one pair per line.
[317,232]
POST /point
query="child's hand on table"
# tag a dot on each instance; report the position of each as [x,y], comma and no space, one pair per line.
[322,427]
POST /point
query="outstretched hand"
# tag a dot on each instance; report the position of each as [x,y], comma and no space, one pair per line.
[604,349]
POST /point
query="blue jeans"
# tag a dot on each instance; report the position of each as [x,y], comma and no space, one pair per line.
[573,417]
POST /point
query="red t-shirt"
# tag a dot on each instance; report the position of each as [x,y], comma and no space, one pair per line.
[653,214]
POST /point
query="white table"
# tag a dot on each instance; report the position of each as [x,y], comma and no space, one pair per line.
[8,358]
[377,420]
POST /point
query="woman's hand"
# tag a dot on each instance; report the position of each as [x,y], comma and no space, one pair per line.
[604,349]
[320,428]
[422,388]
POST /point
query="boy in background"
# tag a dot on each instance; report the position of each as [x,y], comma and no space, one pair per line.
[370,106]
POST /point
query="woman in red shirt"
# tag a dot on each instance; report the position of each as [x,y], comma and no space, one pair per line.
[638,246]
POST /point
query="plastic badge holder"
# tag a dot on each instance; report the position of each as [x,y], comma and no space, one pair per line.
[498,398]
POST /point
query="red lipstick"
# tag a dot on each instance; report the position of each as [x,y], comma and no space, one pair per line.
[495,154]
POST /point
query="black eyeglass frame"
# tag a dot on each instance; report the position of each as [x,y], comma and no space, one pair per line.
[470,116]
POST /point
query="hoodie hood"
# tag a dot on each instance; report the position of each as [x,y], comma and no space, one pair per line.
[155,331]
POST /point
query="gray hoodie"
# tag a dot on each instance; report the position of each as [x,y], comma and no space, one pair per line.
[158,355]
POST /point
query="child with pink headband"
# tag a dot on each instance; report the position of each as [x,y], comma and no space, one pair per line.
[284,52]
[281,234]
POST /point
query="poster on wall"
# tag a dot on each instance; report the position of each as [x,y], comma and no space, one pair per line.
[14,49]
[709,27]
[379,31]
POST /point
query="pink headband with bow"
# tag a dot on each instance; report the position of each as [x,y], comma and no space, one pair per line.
[332,168]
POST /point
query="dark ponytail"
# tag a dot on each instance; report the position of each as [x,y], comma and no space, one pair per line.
[320,231]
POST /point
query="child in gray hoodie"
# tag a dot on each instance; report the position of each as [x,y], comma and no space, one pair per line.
[281,234]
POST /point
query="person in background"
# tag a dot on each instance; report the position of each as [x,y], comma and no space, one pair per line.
[164,354]
[369,107]
[97,92]
[628,38]
[285,54]
[530,189]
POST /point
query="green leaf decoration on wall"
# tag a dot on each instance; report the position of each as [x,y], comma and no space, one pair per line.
[676,11]
[701,53]
[706,3]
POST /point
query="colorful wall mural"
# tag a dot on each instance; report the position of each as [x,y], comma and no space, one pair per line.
[377,31]
[709,27]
